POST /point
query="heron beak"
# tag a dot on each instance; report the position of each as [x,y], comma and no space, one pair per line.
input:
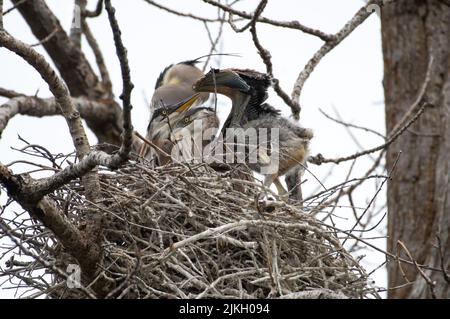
[186,104]
[218,80]
[177,136]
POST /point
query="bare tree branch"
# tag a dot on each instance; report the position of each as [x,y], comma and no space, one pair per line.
[70,61]
[46,39]
[442,260]
[1,14]
[14,7]
[319,159]
[42,187]
[62,96]
[10,93]
[267,59]
[181,14]
[127,135]
[431,285]
[291,25]
[76,30]
[8,231]
[215,41]
[358,220]
[417,106]
[346,124]
[357,19]
[57,87]
[106,79]
[86,252]
[96,12]
[34,106]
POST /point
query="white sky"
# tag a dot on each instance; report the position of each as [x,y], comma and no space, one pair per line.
[348,79]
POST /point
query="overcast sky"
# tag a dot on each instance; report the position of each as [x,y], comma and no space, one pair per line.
[349,79]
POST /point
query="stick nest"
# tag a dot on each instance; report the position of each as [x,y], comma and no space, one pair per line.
[184,231]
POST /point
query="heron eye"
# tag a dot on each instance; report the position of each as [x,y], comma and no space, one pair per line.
[164,113]
[186,120]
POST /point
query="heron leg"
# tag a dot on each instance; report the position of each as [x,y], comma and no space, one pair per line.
[282,192]
[269,179]
[143,150]
[263,158]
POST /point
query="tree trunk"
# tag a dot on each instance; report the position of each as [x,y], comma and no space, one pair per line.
[419,192]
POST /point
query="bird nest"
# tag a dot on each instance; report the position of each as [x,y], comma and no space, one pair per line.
[191,231]
[184,231]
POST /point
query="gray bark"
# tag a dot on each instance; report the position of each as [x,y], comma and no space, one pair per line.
[419,209]
[72,64]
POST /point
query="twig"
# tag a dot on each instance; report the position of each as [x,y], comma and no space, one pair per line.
[34,106]
[181,14]
[213,42]
[291,24]
[359,181]
[357,19]
[427,279]
[127,135]
[442,259]
[1,14]
[62,96]
[15,6]
[46,264]
[76,30]
[419,99]
[47,38]
[106,79]
[376,194]
[319,159]
[315,294]
[96,12]
[346,124]
[398,129]
[267,59]
[10,93]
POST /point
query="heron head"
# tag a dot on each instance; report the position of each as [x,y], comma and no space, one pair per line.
[224,81]
[167,116]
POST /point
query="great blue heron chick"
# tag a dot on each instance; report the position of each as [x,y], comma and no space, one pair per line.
[160,129]
[194,132]
[247,90]
[174,84]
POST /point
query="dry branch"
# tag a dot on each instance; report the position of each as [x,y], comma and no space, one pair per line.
[349,27]
[96,12]
[267,59]
[181,14]
[291,24]
[68,58]
[10,93]
[85,251]
[76,30]
[71,63]
[219,250]
[63,99]
[410,117]
[1,14]
[127,135]
[33,106]
[104,73]
[319,159]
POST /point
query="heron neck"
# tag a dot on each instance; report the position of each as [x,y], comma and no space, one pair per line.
[239,102]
